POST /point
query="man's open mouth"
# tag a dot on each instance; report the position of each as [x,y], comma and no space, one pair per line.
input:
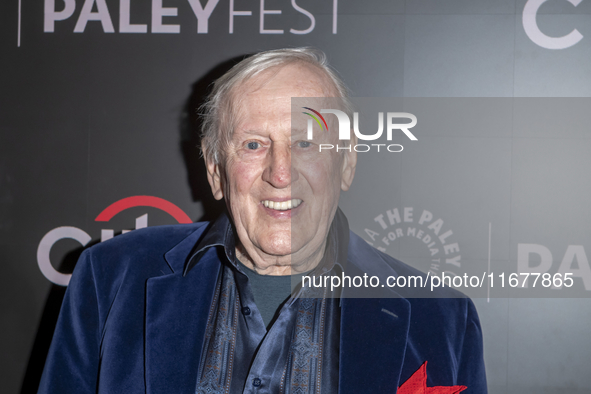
[282,205]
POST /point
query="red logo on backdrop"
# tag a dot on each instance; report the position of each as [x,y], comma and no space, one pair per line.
[107,214]
[143,201]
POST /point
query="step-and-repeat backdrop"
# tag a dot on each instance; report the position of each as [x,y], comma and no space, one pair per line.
[97,138]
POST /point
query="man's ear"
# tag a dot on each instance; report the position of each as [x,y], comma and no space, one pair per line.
[214,176]
[349,164]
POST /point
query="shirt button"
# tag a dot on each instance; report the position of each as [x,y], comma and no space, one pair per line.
[256,382]
[246,311]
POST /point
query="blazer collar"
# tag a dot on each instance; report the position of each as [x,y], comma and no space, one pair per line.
[219,234]
[177,309]
[373,344]
[374,330]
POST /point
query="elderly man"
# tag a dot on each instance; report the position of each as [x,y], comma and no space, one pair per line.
[210,308]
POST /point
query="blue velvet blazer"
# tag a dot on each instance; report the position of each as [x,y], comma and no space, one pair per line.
[131,322]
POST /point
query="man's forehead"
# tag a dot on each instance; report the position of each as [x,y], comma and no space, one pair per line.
[267,100]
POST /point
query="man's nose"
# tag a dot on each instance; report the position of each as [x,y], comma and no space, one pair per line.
[278,171]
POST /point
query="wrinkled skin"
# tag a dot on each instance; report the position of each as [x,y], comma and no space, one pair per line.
[269,159]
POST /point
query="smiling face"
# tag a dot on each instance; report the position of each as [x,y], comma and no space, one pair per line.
[282,193]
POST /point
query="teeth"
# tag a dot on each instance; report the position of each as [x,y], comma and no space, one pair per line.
[282,205]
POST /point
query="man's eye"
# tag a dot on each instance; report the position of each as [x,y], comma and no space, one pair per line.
[304,144]
[253,145]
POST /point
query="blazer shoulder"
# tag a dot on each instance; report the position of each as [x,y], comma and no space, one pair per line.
[139,252]
[444,327]
[155,237]
[367,257]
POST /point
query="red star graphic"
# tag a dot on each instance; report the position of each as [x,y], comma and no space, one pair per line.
[417,384]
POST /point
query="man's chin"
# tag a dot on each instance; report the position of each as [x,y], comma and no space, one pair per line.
[283,251]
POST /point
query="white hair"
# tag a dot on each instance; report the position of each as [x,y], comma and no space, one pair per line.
[219,111]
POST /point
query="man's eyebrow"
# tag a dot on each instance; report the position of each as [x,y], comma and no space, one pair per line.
[256,132]
[295,132]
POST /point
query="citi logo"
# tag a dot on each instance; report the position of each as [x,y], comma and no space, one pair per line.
[69,232]
[345,129]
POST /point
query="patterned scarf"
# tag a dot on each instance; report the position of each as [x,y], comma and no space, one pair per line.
[302,373]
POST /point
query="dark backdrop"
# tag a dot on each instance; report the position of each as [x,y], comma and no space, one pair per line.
[91,118]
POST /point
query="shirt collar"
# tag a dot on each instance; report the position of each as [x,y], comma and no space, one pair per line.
[221,234]
[337,244]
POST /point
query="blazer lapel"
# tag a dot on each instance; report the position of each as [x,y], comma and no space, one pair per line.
[177,308]
[374,331]
[373,344]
